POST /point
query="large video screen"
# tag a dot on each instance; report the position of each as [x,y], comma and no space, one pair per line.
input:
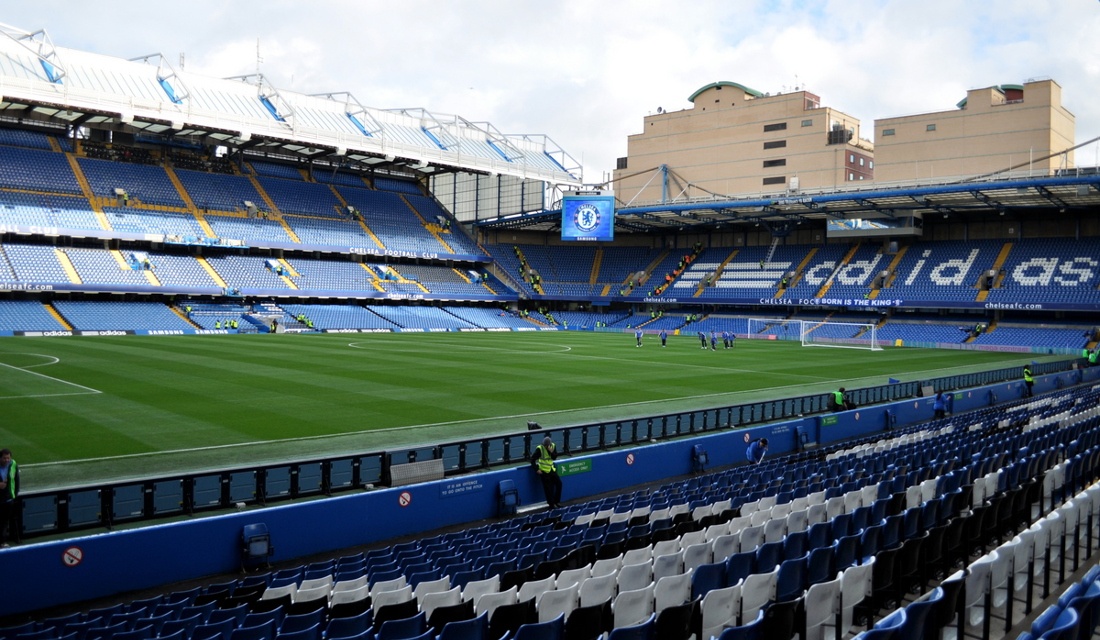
[588,218]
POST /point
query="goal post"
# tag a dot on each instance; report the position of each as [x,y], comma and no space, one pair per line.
[774,329]
[845,335]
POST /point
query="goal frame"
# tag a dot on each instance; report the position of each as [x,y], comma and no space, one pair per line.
[758,329]
[865,335]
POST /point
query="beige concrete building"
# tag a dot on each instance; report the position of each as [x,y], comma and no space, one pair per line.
[1007,127]
[737,141]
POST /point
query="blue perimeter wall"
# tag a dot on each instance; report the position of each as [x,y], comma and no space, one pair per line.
[117,562]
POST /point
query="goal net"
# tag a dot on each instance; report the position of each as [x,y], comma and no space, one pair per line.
[774,329]
[847,335]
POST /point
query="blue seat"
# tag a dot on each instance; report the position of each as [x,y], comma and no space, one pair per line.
[768,556]
[473,629]
[796,544]
[1065,626]
[403,628]
[219,630]
[739,566]
[751,631]
[846,552]
[550,630]
[264,630]
[870,542]
[790,583]
[312,632]
[888,628]
[821,534]
[643,631]
[508,497]
[708,577]
[348,627]
[916,615]
[820,567]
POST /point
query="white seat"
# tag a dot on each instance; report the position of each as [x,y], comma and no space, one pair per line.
[633,607]
[976,586]
[725,546]
[635,556]
[855,586]
[760,517]
[393,596]
[604,514]
[640,512]
[718,507]
[750,508]
[314,583]
[671,590]
[751,538]
[798,521]
[584,518]
[767,502]
[598,589]
[632,576]
[488,602]
[618,516]
[344,596]
[350,585]
[476,588]
[430,601]
[822,603]
[799,504]
[396,584]
[719,609]
[928,490]
[738,524]
[757,591]
[431,586]
[913,497]
[692,537]
[271,593]
[556,602]
[834,507]
[607,566]
[775,530]
[870,494]
[715,530]
[535,588]
[659,514]
[781,510]
[315,594]
[698,513]
[817,512]
[677,509]
[1022,561]
[666,546]
[668,564]
[570,577]
[698,554]
[817,497]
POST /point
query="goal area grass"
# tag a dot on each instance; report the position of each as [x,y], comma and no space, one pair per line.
[80,410]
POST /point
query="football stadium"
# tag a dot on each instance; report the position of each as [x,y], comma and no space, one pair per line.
[283,366]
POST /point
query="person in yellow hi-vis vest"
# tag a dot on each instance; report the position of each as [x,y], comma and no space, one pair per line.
[543,462]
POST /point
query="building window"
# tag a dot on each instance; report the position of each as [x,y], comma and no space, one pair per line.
[931,127]
[861,162]
[807,123]
[851,176]
[776,180]
[887,132]
[775,144]
[851,157]
[870,164]
[778,126]
[782,162]
[620,163]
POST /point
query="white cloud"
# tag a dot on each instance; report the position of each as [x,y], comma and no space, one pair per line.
[586,73]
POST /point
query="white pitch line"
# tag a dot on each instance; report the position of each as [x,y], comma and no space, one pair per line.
[89,390]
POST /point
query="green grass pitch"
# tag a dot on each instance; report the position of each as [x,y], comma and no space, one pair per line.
[80,410]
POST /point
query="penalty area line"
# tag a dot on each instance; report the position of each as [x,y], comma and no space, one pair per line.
[86,390]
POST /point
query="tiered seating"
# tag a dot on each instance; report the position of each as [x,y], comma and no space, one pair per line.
[339,178]
[34,263]
[218,191]
[36,170]
[248,229]
[300,197]
[26,315]
[180,270]
[245,272]
[457,239]
[98,266]
[853,281]
[325,316]
[148,184]
[208,314]
[275,170]
[817,271]
[1050,271]
[397,186]
[23,138]
[837,536]
[1067,338]
[441,279]
[47,210]
[169,223]
[942,271]
[332,275]
[119,316]
[420,317]
[346,233]
[488,318]
[391,220]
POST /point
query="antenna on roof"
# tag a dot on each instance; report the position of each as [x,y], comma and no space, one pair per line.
[259,58]
[183,58]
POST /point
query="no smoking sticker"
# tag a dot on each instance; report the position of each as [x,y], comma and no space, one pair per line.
[747,436]
[405,499]
[630,458]
[72,556]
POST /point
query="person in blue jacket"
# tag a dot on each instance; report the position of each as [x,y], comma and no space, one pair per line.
[939,404]
[664,337]
[757,449]
[638,338]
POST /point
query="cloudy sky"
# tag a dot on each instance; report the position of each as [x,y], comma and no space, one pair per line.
[585,72]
